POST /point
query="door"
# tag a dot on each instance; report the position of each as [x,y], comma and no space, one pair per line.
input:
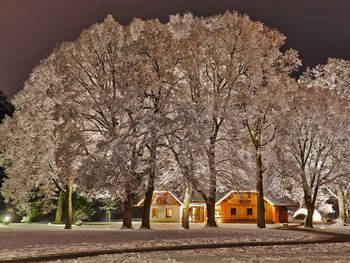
[282,215]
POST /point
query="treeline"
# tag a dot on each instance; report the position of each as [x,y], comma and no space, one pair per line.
[197,104]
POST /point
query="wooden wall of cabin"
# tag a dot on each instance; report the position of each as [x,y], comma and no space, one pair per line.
[242,207]
[165,214]
[280,214]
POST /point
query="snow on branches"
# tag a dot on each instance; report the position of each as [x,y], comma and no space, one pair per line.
[202,104]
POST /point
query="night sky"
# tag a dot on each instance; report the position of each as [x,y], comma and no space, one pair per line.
[30,29]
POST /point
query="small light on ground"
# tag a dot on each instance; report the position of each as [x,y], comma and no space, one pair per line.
[6,220]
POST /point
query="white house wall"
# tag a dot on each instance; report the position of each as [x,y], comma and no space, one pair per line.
[176,216]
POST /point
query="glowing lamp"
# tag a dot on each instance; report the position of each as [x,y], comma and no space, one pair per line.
[6,220]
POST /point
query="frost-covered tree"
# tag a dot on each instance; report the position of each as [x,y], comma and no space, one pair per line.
[97,65]
[183,151]
[156,55]
[261,106]
[313,137]
[70,145]
[231,70]
[29,144]
[6,109]
[334,76]
[209,71]
[339,188]
[201,101]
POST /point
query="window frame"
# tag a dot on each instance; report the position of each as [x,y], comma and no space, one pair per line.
[235,211]
[249,211]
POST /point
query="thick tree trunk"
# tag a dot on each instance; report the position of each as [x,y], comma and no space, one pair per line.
[260,191]
[187,202]
[69,208]
[127,212]
[147,209]
[342,206]
[310,201]
[58,217]
[212,185]
[150,185]
[310,212]
[211,213]
[310,207]
[132,182]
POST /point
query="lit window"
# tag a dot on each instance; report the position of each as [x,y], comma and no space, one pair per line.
[233,211]
[154,212]
[168,213]
[249,211]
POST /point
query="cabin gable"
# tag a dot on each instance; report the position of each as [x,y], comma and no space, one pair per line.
[165,198]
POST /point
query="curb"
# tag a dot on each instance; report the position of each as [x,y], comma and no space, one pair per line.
[74,255]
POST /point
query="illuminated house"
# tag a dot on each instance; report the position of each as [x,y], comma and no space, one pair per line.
[233,207]
[165,208]
[241,207]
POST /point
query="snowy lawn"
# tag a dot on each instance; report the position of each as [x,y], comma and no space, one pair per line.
[38,240]
[319,253]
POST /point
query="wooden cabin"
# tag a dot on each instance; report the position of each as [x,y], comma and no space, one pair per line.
[232,207]
[241,206]
[165,208]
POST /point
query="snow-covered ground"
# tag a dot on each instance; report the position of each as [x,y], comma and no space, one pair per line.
[317,253]
[39,240]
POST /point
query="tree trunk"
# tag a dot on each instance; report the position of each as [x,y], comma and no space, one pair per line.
[69,209]
[108,215]
[310,212]
[211,213]
[132,182]
[127,212]
[260,191]
[310,207]
[212,185]
[58,217]
[147,209]
[150,185]
[310,201]
[187,202]
[342,206]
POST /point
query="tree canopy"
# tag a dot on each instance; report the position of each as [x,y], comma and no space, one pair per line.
[202,104]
